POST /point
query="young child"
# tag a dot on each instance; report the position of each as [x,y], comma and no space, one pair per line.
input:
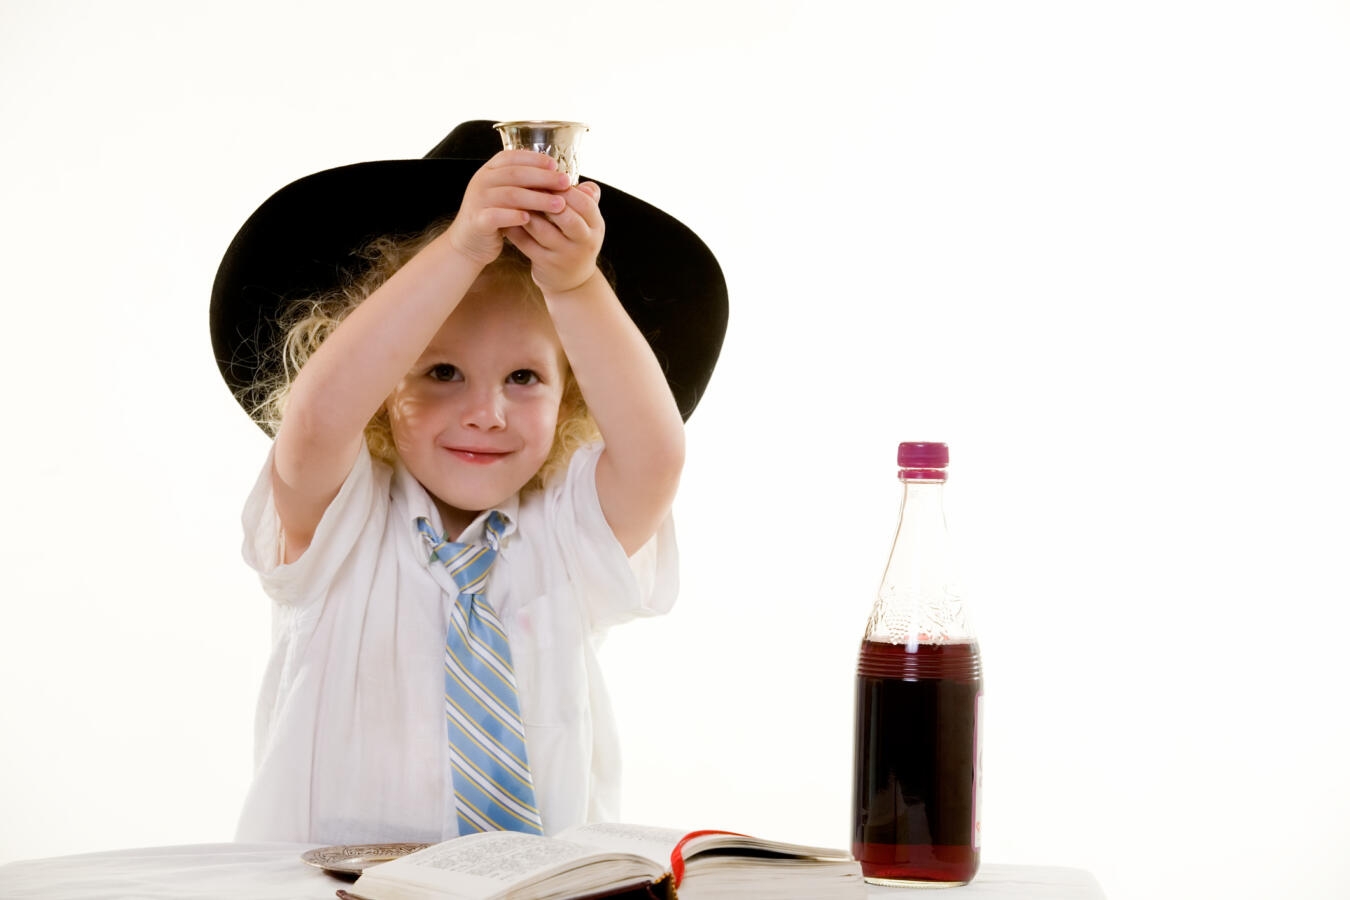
[478,384]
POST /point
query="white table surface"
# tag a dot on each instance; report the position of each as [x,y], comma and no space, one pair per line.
[275,872]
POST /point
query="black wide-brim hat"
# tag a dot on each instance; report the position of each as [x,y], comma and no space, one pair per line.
[303,241]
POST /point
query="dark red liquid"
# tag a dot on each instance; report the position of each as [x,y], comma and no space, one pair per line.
[916,762]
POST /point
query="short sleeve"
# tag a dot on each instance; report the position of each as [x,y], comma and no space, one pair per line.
[612,587]
[348,516]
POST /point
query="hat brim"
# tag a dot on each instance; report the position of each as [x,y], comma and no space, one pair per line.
[302,241]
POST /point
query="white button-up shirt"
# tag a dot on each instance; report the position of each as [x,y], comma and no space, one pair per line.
[350,733]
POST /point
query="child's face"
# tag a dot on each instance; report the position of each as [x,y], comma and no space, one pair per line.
[475,417]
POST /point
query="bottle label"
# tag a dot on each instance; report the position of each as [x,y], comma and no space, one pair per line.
[978,777]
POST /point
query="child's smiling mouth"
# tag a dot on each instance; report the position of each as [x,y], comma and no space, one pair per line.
[477,455]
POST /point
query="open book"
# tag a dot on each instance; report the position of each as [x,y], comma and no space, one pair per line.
[612,860]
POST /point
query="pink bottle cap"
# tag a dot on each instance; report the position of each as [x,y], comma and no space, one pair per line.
[923,460]
[922,455]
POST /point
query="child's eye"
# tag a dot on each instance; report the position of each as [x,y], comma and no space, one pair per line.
[444,372]
[522,376]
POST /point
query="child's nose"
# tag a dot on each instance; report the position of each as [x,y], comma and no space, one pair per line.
[484,408]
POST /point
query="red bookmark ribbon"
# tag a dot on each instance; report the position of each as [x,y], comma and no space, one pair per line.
[677,855]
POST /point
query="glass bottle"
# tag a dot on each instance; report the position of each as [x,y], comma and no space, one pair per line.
[916,811]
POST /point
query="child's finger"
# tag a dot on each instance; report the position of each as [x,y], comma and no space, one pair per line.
[545,233]
[586,207]
[521,158]
[572,226]
[517,197]
[533,178]
[492,184]
[585,200]
[497,218]
[521,239]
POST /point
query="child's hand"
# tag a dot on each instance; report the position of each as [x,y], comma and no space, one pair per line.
[563,246]
[511,189]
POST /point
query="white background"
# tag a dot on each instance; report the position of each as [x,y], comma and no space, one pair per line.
[1099,248]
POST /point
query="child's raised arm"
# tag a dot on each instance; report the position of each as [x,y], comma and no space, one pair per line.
[614,366]
[351,375]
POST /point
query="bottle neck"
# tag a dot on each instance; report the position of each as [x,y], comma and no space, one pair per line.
[919,600]
[921,534]
[922,515]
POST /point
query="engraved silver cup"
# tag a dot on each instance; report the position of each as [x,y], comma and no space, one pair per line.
[558,139]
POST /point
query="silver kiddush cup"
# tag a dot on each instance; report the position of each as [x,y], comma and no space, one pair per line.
[557,139]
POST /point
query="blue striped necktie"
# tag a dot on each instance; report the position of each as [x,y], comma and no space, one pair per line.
[488,763]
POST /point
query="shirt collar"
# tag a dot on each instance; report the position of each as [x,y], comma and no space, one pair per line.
[411,501]
[474,532]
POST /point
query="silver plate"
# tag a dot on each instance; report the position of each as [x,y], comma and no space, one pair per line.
[353,859]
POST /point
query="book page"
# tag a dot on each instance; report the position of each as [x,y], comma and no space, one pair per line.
[482,865]
[505,856]
[721,842]
[644,840]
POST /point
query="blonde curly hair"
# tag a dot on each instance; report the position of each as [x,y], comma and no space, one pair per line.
[307,323]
